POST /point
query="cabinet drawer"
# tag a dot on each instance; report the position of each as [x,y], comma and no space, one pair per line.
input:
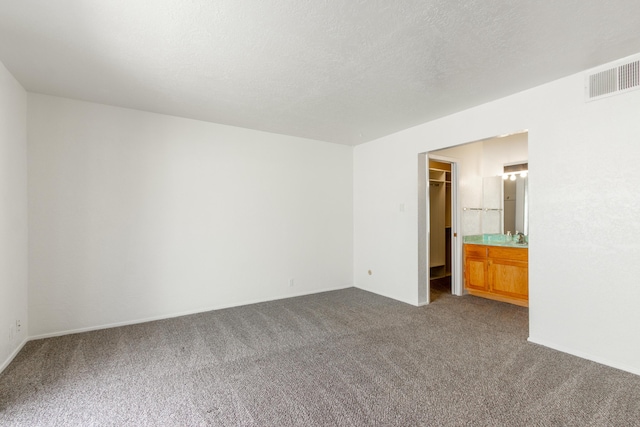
[515,254]
[475,250]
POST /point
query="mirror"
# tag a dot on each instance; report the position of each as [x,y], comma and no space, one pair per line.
[515,199]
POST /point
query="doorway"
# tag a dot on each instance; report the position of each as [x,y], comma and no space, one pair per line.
[475,168]
[442,259]
[440,229]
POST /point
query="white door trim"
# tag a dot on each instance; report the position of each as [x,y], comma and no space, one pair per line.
[456,238]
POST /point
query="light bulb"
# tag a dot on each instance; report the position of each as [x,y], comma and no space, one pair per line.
[523,174]
[512,178]
[505,176]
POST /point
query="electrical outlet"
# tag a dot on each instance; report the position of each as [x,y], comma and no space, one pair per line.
[290,283]
[18,326]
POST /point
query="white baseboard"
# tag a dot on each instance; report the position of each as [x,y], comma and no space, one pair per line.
[382,294]
[603,361]
[184,313]
[13,355]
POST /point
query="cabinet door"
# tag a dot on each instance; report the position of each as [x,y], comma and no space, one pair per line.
[475,273]
[509,278]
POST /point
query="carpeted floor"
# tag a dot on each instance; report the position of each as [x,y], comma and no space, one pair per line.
[342,358]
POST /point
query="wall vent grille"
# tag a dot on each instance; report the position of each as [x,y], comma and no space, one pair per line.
[629,75]
[613,79]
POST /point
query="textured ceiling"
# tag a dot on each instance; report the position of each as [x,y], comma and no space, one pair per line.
[344,71]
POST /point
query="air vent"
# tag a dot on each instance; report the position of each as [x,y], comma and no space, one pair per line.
[603,83]
[629,75]
[620,77]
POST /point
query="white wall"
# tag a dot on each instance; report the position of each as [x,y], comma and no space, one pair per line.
[13,216]
[497,152]
[136,215]
[470,159]
[583,187]
[479,160]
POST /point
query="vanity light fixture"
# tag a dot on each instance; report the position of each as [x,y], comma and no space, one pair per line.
[514,175]
[513,170]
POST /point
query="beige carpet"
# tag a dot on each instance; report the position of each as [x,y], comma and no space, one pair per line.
[343,358]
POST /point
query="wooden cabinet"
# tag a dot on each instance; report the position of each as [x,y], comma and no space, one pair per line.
[475,267]
[496,272]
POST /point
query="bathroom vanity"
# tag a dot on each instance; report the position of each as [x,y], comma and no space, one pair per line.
[497,268]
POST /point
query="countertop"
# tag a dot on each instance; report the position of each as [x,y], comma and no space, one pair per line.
[495,240]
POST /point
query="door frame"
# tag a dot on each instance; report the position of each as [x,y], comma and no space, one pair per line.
[425,232]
